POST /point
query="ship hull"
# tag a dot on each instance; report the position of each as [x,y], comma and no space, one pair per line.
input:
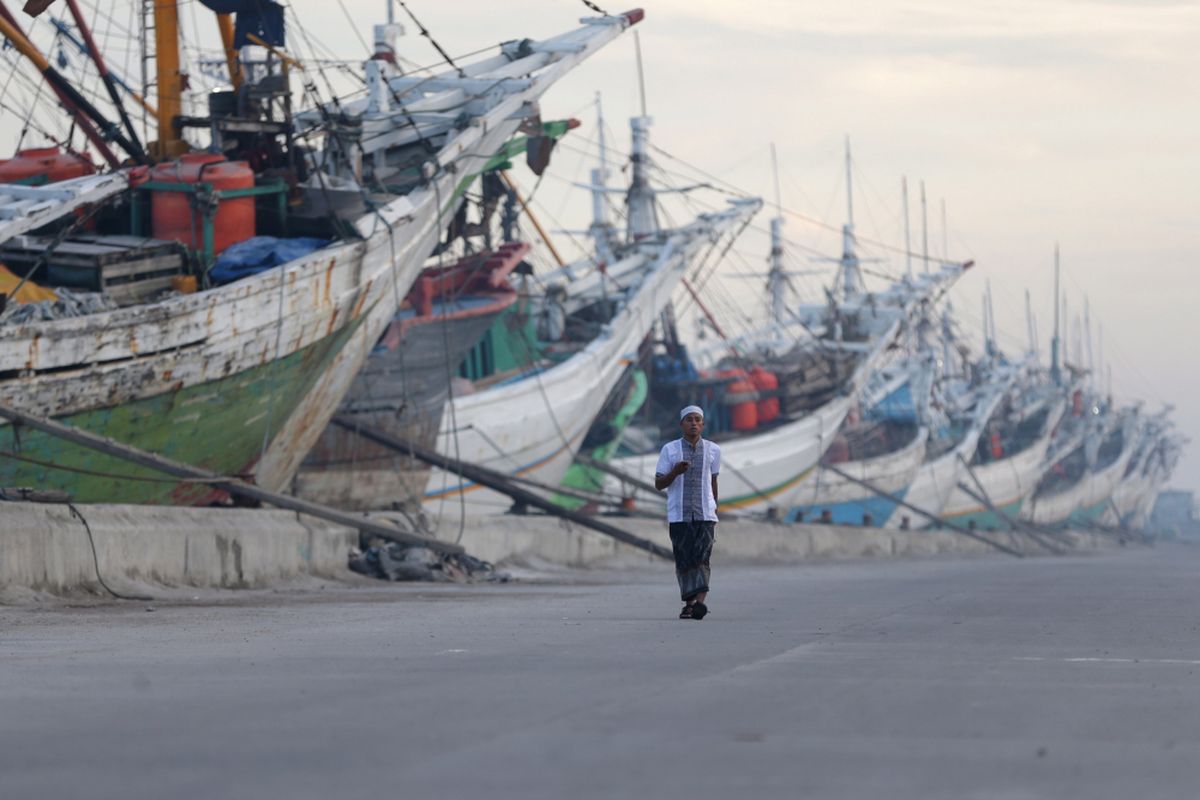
[828,494]
[402,391]
[218,425]
[533,427]
[763,471]
[1007,483]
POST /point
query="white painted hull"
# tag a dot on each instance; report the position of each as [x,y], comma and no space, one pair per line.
[1007,483]
[761,471]
[1126,498]
[1086,501]
[930,489]
[533,428]
[851,503]
[937,478]
[1102,485]
[1055,509]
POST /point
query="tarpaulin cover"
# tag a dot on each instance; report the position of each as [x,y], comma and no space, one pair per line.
[261,253]
[29,292]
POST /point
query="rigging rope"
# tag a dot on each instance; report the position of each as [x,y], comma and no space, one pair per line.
[425,32]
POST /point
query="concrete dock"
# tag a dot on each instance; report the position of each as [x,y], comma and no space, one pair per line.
[66,550]
[990,677]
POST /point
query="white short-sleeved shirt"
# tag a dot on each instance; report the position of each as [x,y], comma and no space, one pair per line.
[672,454]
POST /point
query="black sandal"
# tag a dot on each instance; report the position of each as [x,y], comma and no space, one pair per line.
[687,612]
[699,611]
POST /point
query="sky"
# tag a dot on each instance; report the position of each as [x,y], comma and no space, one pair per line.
[1036,122]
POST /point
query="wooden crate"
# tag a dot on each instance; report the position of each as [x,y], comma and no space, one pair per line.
[129,269]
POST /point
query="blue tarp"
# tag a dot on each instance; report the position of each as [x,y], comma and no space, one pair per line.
[260,253]
[898,406]
[263,18]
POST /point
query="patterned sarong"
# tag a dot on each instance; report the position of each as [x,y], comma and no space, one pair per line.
[692,543]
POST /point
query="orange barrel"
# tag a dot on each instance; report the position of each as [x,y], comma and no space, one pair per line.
[175,216]
[743,408]
[49,163]
[997,446]
[768,401]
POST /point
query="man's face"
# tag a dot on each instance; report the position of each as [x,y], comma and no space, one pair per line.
[692,425]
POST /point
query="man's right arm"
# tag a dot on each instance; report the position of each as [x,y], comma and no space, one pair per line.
[663,481]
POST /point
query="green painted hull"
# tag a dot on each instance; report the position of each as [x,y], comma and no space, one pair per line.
[220,426]
[588,478]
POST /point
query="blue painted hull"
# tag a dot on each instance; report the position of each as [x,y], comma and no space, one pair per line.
[849,512]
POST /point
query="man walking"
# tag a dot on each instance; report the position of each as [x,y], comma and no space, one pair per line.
[687,469]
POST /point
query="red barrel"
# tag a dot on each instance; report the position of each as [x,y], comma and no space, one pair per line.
[49,164]
[743,413]
[768,401]
[174,215]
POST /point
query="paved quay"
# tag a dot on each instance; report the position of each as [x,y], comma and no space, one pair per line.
[1073,677]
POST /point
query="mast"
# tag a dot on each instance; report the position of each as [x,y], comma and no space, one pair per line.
[987,329]
[1066,339]
[945,234]
[907,231]
[1029,323]
[601,230]
[170,79]
[947,338]
[642,208]
[851,276]
[924,229]
[79,108]
[1055,371]
[991,315]
[1087,336]
[110,83]
[775,274]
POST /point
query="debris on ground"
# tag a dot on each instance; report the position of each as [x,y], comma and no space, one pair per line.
[391,561]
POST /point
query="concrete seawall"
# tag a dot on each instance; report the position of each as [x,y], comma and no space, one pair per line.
[505,538]
[45,547]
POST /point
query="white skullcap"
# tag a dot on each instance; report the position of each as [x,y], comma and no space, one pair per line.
[691,410]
